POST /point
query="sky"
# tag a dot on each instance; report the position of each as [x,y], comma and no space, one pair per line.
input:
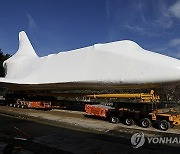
[61,25]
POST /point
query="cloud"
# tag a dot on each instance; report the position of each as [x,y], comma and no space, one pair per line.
[110,19]
[134,28]
[175,9]
[164,18]
[172,48]
[144,17]
[177,55]
[31,23]
[175,42]
[155,15]
[107,4]
[169,51]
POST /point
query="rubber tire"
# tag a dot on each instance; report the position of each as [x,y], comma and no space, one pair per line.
[8,149]
[145,123]
[165,123]
[23,106]
[128,121]
[114,120]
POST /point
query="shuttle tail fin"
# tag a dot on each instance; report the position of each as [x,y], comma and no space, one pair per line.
[25,47]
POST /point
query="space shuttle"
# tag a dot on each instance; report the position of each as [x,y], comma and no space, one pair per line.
[115,65]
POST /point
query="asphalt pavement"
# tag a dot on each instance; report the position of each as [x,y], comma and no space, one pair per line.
[56,139]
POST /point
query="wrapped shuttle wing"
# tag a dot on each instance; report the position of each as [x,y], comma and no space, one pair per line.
[117,63]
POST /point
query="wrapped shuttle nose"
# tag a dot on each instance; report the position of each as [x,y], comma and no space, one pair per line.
[171,70]
[118,63]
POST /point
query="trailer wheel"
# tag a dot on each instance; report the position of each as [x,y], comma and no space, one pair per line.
[114,120]
[145,123]
[8,148]
[128,121]
[23,107]
[163,125]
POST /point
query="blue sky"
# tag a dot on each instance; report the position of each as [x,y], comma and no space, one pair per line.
[59,25]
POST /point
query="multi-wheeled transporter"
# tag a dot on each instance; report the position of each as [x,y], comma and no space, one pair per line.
[145,112]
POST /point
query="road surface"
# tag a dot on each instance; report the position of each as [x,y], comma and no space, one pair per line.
[56,139]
